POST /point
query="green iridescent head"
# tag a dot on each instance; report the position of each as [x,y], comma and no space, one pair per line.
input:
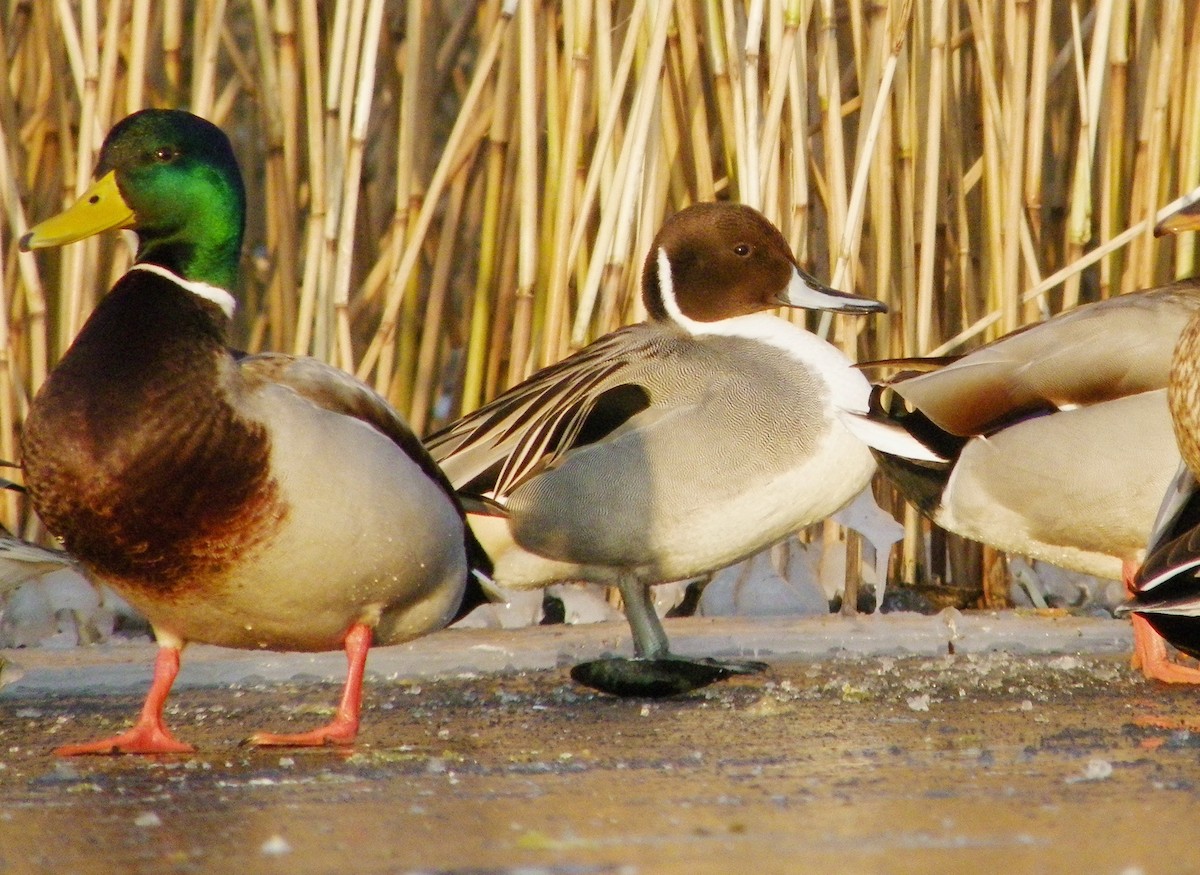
[172,178]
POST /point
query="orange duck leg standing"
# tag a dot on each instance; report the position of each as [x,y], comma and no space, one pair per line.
[149,734]
[344,727]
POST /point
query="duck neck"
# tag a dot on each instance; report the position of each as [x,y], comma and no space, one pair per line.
[212,259]
[200,238]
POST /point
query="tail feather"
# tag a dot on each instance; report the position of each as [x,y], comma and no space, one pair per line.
[479,569]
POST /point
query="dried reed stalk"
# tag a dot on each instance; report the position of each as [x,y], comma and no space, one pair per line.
[443,203]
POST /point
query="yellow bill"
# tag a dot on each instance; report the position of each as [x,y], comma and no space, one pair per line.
[100,208]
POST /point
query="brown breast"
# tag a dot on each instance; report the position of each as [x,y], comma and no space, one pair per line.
[134,451]
[1183,394]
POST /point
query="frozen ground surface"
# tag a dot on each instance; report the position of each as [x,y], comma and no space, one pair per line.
[117,666]
[868,747]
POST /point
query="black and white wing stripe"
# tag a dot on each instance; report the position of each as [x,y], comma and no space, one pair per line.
[1167,582]
[577,401]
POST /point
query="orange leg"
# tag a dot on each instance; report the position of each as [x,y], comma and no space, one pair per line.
[344,726]
[1150,653]
[1149,648]
[149,734]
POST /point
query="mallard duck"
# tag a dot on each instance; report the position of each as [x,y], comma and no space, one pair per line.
[1166,591]
[250,501]
[1054,441]
[671,448]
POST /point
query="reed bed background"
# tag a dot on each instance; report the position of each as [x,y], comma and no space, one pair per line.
[446,195]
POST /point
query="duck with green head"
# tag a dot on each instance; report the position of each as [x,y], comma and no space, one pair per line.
[260,502]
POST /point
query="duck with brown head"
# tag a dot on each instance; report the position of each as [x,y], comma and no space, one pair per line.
[672,448]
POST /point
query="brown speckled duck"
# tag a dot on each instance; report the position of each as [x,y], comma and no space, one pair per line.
[263,501]
[1052,442]
[1167,590]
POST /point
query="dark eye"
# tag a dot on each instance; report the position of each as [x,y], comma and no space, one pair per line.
[164,154]
[742,250]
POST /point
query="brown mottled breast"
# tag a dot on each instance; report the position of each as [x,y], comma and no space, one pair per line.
[1183,393]
[134,453]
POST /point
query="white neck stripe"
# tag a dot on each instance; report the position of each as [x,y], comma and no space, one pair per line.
[215,294]
[848,387]
[666,289]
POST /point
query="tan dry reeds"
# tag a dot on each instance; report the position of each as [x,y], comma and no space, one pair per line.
[447,195]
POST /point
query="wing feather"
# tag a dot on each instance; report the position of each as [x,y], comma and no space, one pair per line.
[1094,353]
[338,392]
[528,428]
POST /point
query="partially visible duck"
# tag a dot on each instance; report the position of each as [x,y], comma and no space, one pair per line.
[1166,588]
[260,501]
[671,448]
[1053,442]
[37,584]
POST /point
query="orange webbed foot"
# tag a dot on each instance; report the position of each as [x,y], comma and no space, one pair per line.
[337,732]
[1150,655]
[149,735]
[343,729]
[141,739]
[1170,724]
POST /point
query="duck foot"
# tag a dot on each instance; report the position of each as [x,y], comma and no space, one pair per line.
[1170,724]
[150,734]
[145,738]
[1150,655]
[658,677]
[343,729]
[338,732]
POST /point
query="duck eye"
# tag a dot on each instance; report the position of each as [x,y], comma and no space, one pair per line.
[164,154]
[742,250]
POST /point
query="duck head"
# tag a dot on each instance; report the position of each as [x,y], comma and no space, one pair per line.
[172,178]
[716,261]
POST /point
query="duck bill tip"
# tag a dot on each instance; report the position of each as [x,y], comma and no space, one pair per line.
[805,292]
[1185,220]
[100,208]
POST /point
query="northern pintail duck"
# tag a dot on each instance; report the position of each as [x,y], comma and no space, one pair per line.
[262,501]
[671,448]
[1166,588]
[1053,442]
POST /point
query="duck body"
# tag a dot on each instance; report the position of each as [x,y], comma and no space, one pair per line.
[711,470]
[1166,589]
[185,480]
[672,448]
[1055,441]
[1089,515]
[264,501]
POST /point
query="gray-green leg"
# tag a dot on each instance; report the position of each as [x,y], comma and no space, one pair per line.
[653,672]
[649,637]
